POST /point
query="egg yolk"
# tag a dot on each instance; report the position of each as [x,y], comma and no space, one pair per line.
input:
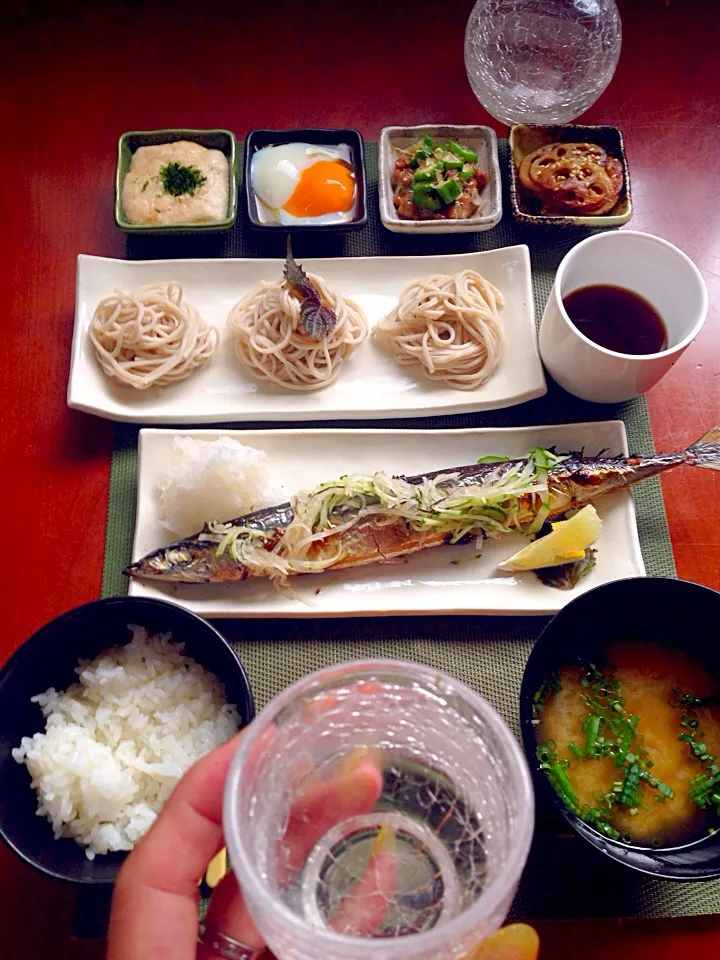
[328,186]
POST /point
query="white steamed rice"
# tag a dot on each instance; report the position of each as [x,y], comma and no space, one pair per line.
[117,741]
[207,480]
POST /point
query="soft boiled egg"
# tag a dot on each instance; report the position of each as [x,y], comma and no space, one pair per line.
[304,183]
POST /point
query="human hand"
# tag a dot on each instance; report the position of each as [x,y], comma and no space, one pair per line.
[154,911]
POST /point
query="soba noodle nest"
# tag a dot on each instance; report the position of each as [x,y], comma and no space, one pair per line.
[151,337]
[272,345]
[448,325]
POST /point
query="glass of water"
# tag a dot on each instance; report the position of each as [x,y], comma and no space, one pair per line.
[541,61]
[378,810]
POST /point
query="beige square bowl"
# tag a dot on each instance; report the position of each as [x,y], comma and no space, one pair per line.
[481,139]
[524,139]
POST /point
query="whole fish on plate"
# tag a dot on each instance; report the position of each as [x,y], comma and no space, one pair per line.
[361,519]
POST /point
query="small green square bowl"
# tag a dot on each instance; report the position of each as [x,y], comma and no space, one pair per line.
[129,142]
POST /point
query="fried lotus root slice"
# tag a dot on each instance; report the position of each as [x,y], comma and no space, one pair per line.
[542,156]
[589,188]
[614,170]
[588,195]
[546,158]
[576,184]
[572,178]
[555,175]
[589,150]
[563,210]
[524,173]
[546,154]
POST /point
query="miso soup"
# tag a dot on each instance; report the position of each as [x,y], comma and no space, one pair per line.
[632,744]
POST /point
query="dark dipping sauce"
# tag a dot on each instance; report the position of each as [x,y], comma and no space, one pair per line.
[617,319]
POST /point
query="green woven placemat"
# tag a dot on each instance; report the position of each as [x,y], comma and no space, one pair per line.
[563,877]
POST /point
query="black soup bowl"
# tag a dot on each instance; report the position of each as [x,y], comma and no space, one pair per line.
[48,659]
[671,612]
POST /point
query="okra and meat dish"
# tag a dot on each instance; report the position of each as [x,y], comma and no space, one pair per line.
[437,181]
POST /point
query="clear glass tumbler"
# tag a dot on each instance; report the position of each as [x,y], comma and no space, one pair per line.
[375,811]
[541,61]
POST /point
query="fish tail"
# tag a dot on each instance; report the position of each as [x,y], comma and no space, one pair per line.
[705,452]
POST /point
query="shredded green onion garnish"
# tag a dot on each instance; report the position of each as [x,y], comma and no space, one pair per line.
[509,498]
[611,732]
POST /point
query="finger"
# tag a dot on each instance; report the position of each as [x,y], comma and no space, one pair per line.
[154,910]
[366,904]
[353,789]
[517,941]
[324,702]
[227,912]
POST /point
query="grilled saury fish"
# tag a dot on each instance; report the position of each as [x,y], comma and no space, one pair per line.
[362,519]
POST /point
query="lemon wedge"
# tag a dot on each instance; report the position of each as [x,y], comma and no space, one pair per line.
[567,542]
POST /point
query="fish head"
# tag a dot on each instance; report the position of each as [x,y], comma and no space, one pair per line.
[188,561]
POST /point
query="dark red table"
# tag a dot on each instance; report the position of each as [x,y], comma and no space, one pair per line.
[78,75]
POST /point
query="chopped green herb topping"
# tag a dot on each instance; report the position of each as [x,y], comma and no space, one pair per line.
[178,179]
[610,731]
[705,787]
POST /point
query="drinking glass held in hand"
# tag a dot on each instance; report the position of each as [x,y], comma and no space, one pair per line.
[420,858]
[155,901]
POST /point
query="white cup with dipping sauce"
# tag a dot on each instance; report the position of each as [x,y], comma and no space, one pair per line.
[642,264]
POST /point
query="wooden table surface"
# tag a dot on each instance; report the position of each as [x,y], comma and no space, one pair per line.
[77,75]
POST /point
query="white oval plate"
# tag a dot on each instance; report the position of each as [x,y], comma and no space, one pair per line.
[425,583]
[371,385]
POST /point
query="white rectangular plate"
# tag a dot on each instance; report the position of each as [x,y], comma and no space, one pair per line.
[371,384]
[427,583]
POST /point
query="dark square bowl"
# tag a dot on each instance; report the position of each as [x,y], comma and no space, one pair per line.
[257,139]
[128,143]
[525,138]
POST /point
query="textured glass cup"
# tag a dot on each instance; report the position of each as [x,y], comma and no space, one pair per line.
[541,61]
[422,865]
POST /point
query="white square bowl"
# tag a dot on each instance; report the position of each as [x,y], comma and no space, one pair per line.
[481,139]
